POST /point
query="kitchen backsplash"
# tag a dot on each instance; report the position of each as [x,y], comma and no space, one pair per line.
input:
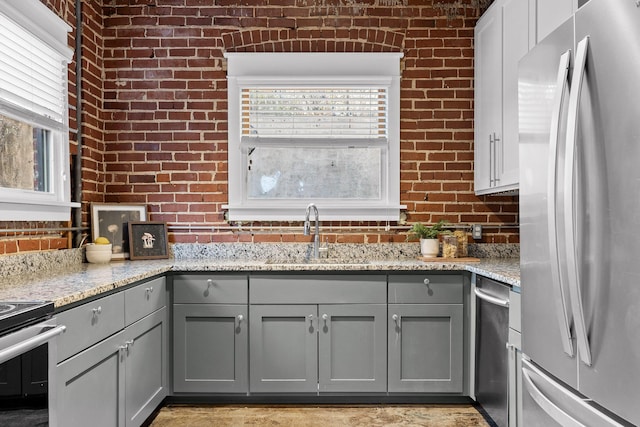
[62,260]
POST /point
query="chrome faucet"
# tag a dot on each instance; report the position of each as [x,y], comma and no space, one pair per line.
[307,229]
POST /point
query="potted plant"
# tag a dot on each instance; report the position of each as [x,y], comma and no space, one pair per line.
[428,235]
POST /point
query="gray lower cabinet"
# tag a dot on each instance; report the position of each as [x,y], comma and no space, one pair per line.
[210,333]
[318,333]
[90,386]
[425,333]
[284,348]
[352,347]
[210,348]
[311,348]
[119,380]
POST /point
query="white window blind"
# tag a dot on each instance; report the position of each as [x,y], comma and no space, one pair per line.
[314,112]
[33,76]
[34,53]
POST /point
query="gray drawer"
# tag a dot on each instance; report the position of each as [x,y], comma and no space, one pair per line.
[318,289]
[90,323]
[426,288]
[210,288]
[144,299]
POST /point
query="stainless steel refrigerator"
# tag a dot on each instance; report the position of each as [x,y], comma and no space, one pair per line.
[579,121]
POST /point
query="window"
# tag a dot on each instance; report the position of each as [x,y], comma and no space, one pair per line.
[314,127]
[34,141]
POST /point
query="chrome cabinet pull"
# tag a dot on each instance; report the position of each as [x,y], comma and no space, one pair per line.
[125,347]
[491,147]
[426,281]
[397,319]
[495,158]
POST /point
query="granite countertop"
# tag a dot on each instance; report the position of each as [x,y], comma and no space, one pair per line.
[78,281]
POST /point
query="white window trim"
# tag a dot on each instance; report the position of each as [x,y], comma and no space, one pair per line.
[265,69]
[21,205]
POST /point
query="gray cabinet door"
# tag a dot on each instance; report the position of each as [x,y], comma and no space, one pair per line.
[90,387]
[425,348]
[284,348]
[210,348]
[352,352]
[146,366]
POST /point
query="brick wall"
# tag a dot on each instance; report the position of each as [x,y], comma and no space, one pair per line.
[155,100]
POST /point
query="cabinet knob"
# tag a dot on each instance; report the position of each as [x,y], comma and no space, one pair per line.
[240,318]
[96,310]
[209,283]
[395,317]
[325,316]
[426,281]
[149,290]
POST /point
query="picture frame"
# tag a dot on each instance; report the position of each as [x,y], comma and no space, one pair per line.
[148,240]
[111,220]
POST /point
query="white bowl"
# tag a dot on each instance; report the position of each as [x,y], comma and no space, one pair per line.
[98,254]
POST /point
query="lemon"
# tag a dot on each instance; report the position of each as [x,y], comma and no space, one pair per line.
[102,241]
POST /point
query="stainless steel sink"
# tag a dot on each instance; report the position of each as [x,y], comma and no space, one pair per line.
[313,261]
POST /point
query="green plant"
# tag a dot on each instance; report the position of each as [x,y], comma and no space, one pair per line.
[421,231]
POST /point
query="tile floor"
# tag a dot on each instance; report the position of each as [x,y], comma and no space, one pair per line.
[454,415]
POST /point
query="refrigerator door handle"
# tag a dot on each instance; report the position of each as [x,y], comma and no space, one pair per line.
[552,196]
[573,274]
[589,415]
[545,402]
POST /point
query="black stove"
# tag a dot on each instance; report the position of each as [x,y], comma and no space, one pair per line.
[17,314]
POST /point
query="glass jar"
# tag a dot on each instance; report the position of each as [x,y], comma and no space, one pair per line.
[463,242]
[449,246]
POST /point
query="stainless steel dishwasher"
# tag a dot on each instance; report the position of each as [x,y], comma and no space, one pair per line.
[492,334]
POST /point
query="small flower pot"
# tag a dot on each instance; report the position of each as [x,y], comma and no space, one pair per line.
[429,247]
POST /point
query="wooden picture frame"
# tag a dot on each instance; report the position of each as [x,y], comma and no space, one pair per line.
[148,240]
[111,220]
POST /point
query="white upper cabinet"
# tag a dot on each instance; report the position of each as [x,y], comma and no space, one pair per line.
[503,35]
[502,38]
[550,14]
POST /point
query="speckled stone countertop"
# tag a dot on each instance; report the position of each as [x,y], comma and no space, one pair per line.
[67,280]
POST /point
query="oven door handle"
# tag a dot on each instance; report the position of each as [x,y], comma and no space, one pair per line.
[31,343]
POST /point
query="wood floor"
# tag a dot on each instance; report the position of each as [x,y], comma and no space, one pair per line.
[319,416]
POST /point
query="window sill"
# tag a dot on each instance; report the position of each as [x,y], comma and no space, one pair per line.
[16,211]
[327,213]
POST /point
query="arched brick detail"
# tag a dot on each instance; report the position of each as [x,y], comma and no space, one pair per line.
[319,40]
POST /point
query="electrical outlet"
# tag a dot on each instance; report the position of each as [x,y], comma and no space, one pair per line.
[476,231]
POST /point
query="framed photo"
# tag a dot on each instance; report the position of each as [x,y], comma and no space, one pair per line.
[148,240]
[111,221]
